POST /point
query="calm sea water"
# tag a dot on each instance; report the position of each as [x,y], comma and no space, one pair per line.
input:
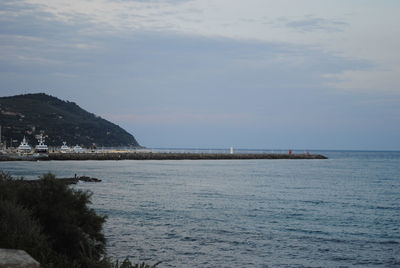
[340,212]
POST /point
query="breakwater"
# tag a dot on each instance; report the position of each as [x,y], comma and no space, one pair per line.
[73,180]
[162,156]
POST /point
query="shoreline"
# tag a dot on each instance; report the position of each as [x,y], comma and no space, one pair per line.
[157,156]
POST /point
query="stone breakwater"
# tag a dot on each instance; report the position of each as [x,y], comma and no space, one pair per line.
[162,156]
[73,180]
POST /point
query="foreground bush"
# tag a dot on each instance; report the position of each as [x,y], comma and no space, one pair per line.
[58,216]
[19,230]
[53,223]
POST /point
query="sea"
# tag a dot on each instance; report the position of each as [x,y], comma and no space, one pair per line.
[339,212]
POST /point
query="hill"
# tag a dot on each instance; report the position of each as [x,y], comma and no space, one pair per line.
[32,114]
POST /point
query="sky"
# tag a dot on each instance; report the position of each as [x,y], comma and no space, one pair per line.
[287,74]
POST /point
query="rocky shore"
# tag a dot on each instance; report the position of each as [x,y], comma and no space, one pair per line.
[159,156]
[73,180]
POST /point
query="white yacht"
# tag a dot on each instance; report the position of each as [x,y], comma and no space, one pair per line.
[24,147]
[77,149]
[41,147]
[65,148]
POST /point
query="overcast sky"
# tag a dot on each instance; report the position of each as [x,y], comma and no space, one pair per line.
[299,74]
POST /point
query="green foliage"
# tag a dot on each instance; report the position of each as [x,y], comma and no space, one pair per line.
[29,114]
[67,231]
[54,224]
[18,229]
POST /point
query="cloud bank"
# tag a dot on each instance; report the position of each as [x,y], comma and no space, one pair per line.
[273,77]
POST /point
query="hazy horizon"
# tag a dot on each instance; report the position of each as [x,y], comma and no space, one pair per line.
[214,74]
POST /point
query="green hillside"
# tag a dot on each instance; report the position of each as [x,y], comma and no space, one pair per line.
[32,114]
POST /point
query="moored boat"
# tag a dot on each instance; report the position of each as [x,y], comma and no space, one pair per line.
[77,149]
[65,148]
[24,147]
[41,147]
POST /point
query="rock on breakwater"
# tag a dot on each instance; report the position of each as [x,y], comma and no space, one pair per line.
[177,156]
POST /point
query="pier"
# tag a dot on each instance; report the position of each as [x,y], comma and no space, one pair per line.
[160,156]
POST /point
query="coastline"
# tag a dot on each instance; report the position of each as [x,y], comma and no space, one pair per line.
[158,156]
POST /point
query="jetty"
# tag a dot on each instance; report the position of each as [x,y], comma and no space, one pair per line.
[73,180]
[162,156]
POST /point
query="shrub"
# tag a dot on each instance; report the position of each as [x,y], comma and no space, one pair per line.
[19,230]
[70,233]
[54,224]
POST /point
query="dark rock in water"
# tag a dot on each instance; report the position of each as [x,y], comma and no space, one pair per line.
[76,179]
[68,180]
[88,179]
[73,180]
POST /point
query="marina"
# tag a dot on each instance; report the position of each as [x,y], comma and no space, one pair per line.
[42,151]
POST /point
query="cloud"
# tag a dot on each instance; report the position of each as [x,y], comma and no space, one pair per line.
[180,65]
[118,15]
[366,80]
[179,118]
[39,42]
[154,1]
[311,23]
[153,80]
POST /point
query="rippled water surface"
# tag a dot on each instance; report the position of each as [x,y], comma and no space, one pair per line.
[340,212]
